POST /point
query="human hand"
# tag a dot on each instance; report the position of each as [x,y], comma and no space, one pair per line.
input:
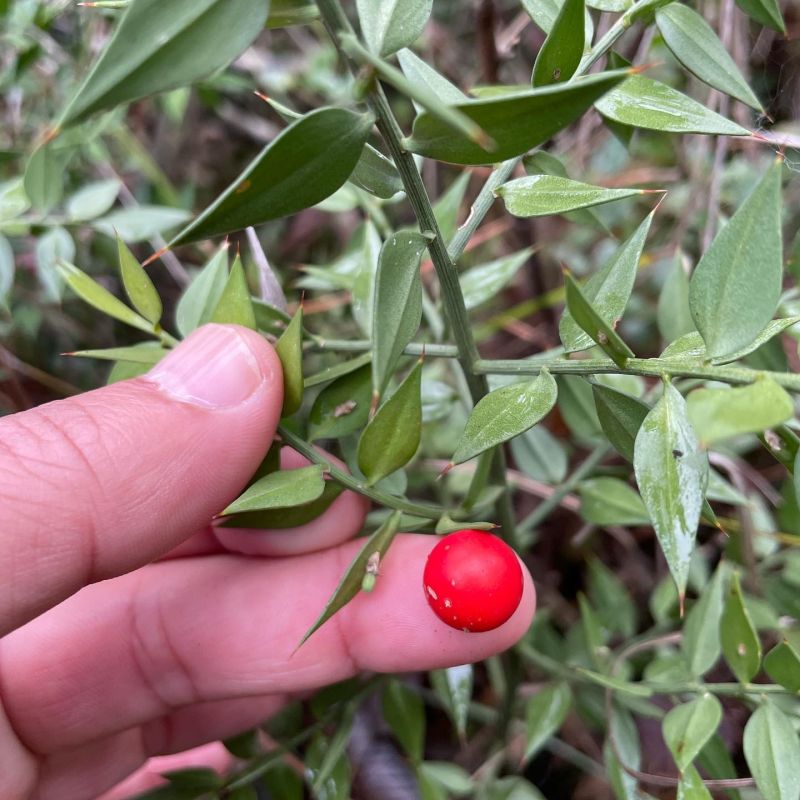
[131,628]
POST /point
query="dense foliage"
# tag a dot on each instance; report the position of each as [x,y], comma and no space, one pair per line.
[561,277]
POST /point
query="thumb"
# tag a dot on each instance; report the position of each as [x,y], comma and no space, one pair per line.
[102,483]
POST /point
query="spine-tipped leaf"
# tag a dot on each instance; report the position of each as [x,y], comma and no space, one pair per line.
[505,413]
[304,164]
[398,303]
[671,471]
[138,286]
[562,50]
[393,434]
[163,45]
[735,288]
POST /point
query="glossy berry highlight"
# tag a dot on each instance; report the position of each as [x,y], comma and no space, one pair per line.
[473,580]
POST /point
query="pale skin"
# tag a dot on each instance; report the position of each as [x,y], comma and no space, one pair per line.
[133,627]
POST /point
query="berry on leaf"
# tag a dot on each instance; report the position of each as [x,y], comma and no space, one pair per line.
[473,580]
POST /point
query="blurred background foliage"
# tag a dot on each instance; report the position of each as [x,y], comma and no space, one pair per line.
[142,170]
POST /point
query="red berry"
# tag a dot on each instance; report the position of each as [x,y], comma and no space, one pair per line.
[473,580]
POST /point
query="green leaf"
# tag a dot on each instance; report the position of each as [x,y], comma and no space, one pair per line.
[92,200]
[325,765]
[610,501]
[608,290]
[774,327]
[242,793]
[765,12]
[234,304]
[515,122]
[285,13]
[455,780]
[100,298]
[393,434]
[337,370]
[561,52]
[342,407]
[513,788]
[7,269]
[307,162]
[194,778]
[398,303]
[545,713]
[377,174]
[140,223]
[480,284]
[540,162]
[148,353]
[284,489]
[576,404]
[621,416]
[373,172]
[138,286]
[44,176]
[124,370]
[350,584]
[420,72]
[363,286]
[772,752]
[671,471]
[333,755]
[721,413]
[694,43]
[674,316]
[545,12]
[52,248]
[404,711]
[731,302]
[701,643]
[740,643]
[539,455]
[539,195]
[692,787]
[505,413]
[593,632]
[448,206]
[159,46]
[688,727]
[390,25]
[590,321]
[782,664]
[615,607]
[623,732]
[454,687]
[13,199]
[644,103]
[291,517]
[202,296]
[290,352]
[448,115]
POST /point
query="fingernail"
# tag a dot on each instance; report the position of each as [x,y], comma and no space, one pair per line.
[214,367]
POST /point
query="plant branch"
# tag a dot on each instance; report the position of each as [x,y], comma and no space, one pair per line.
[338,25]
[349,482]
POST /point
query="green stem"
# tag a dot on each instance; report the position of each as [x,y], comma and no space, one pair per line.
[615,32]
[364,346]
[647,367]
[557,669]
[552,360]
[338,25]
[483,202]
[349,482]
